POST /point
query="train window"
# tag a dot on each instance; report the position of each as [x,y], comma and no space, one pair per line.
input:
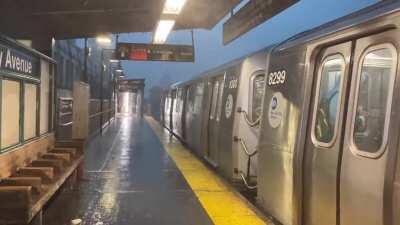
[177,100]
[30,110]
[214,99]
[258,82]
[10,113]
[168,104]
[219,102]
[198,97]
[373,102]
[328,101]
[189,102]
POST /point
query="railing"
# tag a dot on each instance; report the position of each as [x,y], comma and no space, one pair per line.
[246,179]
[247,119]
[99,113]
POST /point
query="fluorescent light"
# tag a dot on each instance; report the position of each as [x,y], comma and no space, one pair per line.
[114,60]
[119,71]
[164,27]
[103,39]
[173,6]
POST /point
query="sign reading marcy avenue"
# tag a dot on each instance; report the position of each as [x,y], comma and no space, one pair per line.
[16,61]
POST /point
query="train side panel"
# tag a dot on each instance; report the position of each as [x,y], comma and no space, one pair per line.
[188,116]
[249,100]
[280,128]
[330,136]
[226,113]
[194,116]
[178,112]
[167,110]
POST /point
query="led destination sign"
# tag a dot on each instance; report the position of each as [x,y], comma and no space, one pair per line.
[251,15]
[155,52]
[13,60]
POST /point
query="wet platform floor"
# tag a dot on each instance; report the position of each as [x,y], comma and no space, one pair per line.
[130,179]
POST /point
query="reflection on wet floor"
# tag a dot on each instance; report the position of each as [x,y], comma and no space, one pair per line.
[129,179]
[222,203]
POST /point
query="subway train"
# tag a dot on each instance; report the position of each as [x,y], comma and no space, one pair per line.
[203,114]
[317,117]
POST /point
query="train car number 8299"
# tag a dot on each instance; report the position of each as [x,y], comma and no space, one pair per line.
[276,78]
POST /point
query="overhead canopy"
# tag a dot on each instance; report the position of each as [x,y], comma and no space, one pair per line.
[64,19]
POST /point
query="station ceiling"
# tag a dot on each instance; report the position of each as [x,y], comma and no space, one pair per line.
[64,19]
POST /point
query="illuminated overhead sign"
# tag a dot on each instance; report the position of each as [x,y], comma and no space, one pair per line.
[251,15]
[155,52]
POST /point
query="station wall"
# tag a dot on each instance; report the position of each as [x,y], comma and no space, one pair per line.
[70,69]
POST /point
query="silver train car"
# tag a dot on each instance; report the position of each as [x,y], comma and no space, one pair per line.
[203,113]
[329,141]
[326,130]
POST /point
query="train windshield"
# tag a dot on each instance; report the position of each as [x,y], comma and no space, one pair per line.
[328,98]
[375,86]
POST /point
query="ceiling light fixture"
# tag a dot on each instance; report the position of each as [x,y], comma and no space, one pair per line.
[173,6]
[103,40]
[163,29]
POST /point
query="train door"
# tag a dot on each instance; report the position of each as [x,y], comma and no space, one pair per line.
[167,109]
[225,117]
[172,109]
[199,109]
[188,116]
[350,158]
[323,143]
[176,113]
[217,85]
[183,112]
[372,130]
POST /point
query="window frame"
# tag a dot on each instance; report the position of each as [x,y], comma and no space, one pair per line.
[178,100]
[22,80]
[20,118]
[314,139]
[220,98]
[251,92]
[37,122]
[198,97]
[214,99]
[353,147]
[52,68]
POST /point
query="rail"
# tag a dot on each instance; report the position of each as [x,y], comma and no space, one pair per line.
[246,183]
[64,114]
[99,113]
[249,154]
[244,147]
[65,124]
[247,119]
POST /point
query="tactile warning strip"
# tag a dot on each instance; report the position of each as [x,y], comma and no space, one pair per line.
[222,205]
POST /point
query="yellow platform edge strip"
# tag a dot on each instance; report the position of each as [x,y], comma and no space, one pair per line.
[223,206]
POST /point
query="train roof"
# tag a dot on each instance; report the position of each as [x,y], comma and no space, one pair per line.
[362,16]
[217,70]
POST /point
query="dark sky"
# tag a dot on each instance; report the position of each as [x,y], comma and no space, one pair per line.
[208,44]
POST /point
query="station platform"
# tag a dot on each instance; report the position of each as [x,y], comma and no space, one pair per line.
[137,173]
